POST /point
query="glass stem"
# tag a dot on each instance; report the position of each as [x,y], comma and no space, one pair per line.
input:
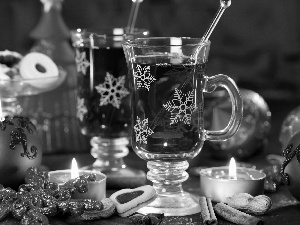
[109,153]
[167,177]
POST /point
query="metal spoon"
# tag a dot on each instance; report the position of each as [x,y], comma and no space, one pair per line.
[224,4]
[133,15]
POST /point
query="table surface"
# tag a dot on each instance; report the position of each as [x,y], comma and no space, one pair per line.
[285,209]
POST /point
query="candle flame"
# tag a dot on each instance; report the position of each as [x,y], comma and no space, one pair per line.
[74,169]
[232,168]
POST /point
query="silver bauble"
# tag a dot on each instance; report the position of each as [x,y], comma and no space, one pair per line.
[290,125]
[252,135]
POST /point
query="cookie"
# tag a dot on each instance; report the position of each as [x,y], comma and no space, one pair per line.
[133,210]
[108,210]
[128,201]
[37,65]
[9,64]
[10,58]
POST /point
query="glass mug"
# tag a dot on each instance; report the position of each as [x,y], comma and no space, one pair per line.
[103,98]
[167,80]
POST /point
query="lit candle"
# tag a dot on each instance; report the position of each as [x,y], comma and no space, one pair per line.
[218,183]
[96,189]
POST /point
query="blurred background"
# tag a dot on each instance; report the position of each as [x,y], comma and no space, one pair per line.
[257,43]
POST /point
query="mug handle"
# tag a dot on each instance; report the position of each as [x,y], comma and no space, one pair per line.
[221,80]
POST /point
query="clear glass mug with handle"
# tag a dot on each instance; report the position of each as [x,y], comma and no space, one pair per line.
[103,100]
[167,80]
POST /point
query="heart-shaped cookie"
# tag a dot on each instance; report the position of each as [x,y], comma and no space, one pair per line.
[128,201]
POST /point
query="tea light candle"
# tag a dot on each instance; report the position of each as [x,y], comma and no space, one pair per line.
[218,183]
[96,189]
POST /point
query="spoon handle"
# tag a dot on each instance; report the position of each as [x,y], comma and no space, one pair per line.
[224,4]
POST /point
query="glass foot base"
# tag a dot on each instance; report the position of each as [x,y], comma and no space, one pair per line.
[180,204]
[121,178]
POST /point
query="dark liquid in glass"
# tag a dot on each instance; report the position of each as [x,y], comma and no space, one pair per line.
[172,107]
[107,120]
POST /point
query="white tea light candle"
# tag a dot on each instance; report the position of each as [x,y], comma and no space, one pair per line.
[218,184]
[96,189]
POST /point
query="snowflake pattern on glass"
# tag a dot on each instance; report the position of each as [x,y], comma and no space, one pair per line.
[81,109]
[112,90]
[181,107]
[142,131]
[143,77]
[81,62]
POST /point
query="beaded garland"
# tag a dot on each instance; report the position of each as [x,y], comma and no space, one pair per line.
[39,198]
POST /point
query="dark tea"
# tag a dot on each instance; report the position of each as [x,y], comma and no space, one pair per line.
[103,97]
[166,106]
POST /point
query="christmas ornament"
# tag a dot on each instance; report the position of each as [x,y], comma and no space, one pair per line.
[252,135]
[290,125]
[20,148]
[290,170]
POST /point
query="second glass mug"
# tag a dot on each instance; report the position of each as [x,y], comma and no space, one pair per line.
[103,99]
[167,80]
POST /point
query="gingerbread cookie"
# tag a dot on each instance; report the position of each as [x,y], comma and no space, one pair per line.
[128,201]
[37,65]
